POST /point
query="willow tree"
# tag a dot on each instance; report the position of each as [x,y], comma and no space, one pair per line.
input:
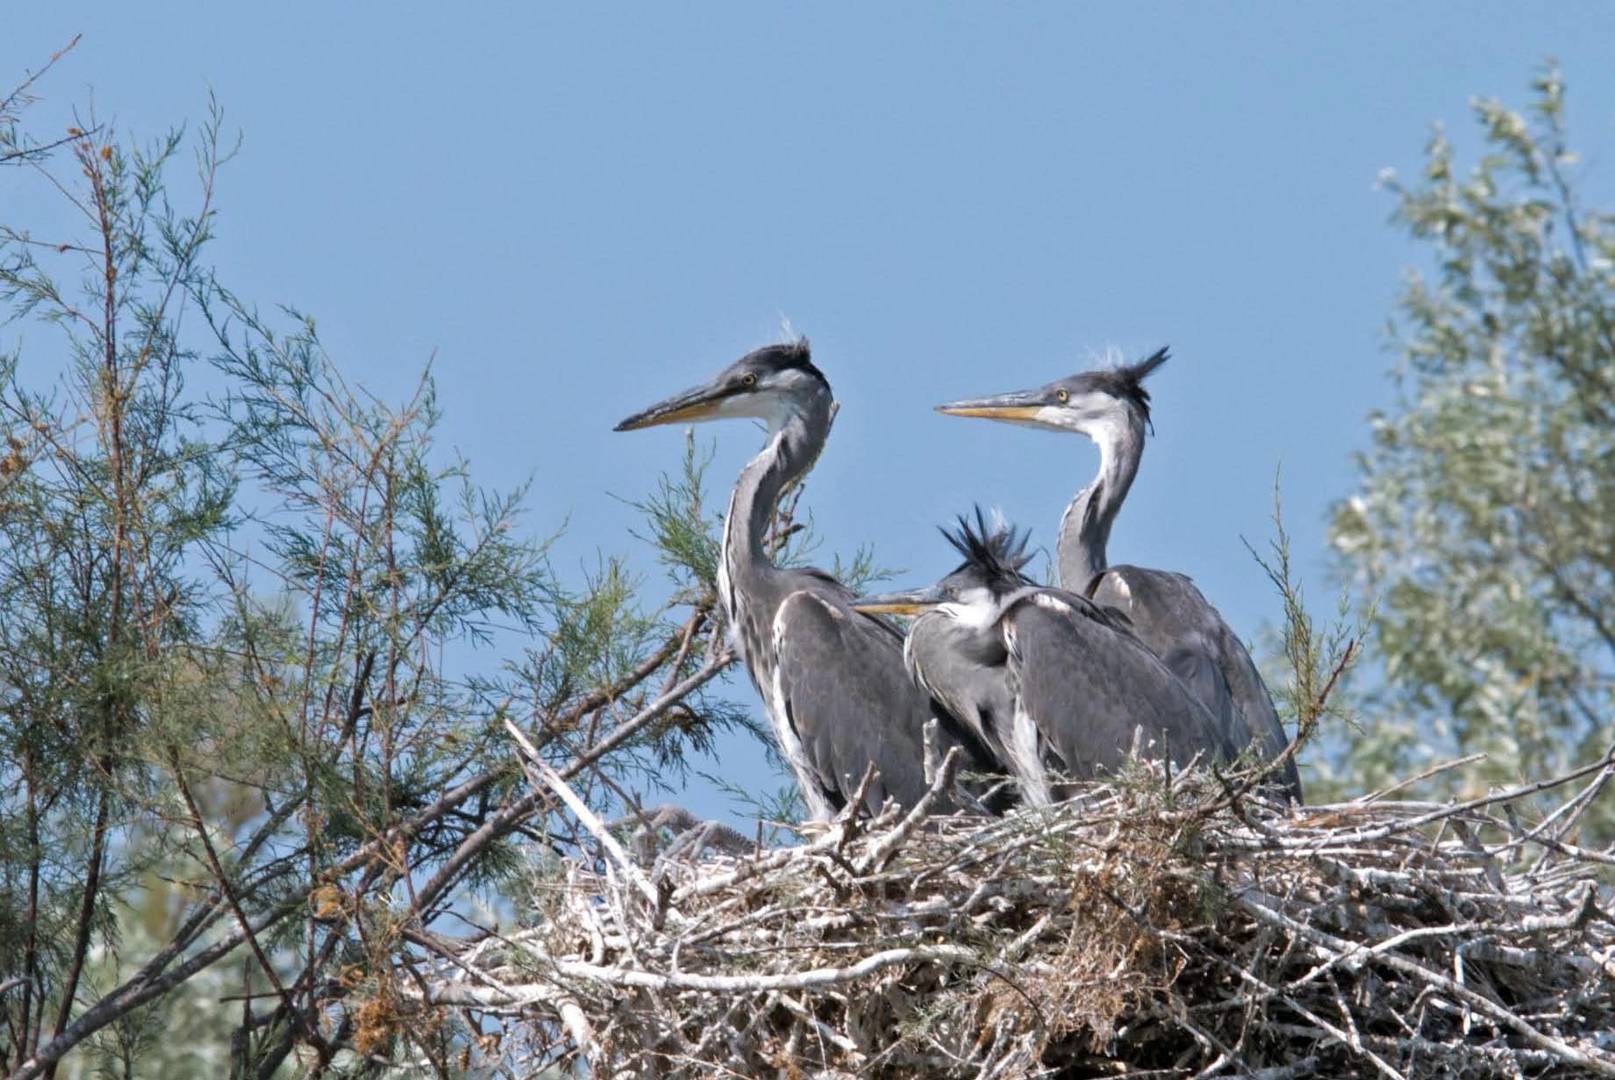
[1484,521]
[242,734]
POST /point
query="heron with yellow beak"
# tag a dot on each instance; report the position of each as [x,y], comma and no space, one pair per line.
[831,678]
[1164,609]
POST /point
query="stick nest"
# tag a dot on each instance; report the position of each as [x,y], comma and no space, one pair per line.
[1156,926]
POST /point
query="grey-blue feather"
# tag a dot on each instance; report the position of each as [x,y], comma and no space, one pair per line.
[1051,682]
[1169,614]
[847,698]
[1090,687]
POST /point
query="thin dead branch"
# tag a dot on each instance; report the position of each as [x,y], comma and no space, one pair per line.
[1146,928]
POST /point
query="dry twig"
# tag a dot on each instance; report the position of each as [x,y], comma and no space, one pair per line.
[1137,929]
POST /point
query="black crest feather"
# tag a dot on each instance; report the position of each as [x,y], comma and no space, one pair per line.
[998,553]
[1127,381]
[1133,376]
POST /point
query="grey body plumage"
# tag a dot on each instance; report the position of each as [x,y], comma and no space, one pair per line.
[831,678]
[1053,683]
[1165,610]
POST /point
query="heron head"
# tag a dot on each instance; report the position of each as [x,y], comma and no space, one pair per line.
[768,384]
[994,557]
[1087,403]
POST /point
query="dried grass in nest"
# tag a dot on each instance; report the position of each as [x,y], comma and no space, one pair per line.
[1157,926]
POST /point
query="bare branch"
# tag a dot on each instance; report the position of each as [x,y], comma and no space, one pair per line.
[1108,933]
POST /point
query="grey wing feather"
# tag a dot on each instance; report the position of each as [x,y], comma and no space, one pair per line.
[1087,688]
[1171,616]
[849,701]
[1252,700]
[1197,669]
[964,671]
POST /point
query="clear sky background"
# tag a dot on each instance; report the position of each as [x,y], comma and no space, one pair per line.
[581,208]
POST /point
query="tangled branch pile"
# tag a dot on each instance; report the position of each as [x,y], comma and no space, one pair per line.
[1158,926]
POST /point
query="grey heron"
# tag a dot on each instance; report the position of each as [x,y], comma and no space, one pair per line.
[831,678]
[1165,609]
[1050,681]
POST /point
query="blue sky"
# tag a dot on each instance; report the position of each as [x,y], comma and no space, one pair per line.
[580,208]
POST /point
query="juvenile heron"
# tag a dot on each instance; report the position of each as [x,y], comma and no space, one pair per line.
[831,679]
[1050,681]
[1165,609]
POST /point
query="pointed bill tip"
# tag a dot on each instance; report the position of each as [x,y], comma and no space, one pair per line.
[700,403]
[637,421]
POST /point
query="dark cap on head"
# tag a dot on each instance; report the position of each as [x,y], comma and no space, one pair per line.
[796,354]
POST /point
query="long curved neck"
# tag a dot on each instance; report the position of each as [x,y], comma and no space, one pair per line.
[793,446]
[1085,528]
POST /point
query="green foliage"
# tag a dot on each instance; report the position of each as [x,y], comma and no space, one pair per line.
[1485,518]
[108,490]
[257,652]
[688,542]
[1314,661]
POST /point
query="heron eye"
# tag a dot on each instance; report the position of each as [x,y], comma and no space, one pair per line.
[748,379]
[1063,394]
